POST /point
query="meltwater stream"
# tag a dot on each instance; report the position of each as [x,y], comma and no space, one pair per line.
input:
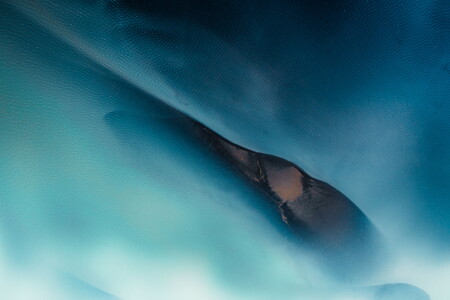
[159,149]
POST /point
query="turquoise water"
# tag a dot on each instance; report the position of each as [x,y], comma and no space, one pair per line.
[104,194]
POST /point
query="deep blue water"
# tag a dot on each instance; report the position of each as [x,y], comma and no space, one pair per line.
[104,194]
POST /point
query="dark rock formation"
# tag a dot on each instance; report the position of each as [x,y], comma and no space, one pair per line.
[318,215]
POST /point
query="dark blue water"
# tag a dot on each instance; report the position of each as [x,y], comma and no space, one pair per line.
[98,182]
